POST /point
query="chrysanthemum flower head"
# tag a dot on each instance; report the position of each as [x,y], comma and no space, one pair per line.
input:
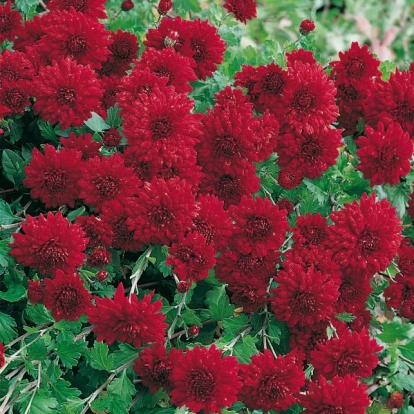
[136,322]
[241,9]
[10,22]
[91,8]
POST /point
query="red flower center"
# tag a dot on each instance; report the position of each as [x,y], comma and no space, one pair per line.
[348,92]
[273,389]
[313,235]
[55,181]
[205,229]
[367,242]
[303,100]
[51,254]
[273,83]
[258,228]
[185,254]
[66,96]
[77,45]
[14,99]
[355,68]
[199,49]
[311,149]
[6,23]
[68,299]
[130,330]
[78,5]
[201,384]
[303,303]
[160,373]
[348,292]
[348,365]
[160,216]
[161,127]
[121,50]
[228,189]
[108,187]
[121,233]
[8,74]
[226,146]
[162,71]
[404,113]
[246,264]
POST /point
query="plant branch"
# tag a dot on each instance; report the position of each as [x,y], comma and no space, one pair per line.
[174,322]
[136,276]
[11,390]
[37,386]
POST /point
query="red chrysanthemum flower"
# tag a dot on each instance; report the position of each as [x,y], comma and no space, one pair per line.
[353,293]
[307,102]
[53,177]
[66,296]
[304,297]
[136,322]
[191,257]
[363,319]
[304,56]
[233,98]
[399,290]
[107,179]
[36,292]
[110,85]
[66,93]
[168,63]
[266,131]
[162,211]
[406,259]
[205,380]
[351,353]
[235,266]
[154,366]
[289,177]
[73,34]
[114,214]
[227,137]
[15,66]
[124,49]
[230,186]
[161,125]
[342,395]
[29,34]
[212,221]
[396,400]
[249,294]
[2,356]
[98,258]
[269,383]
[91,8]
[246,78]
[311,231]
[14,96]
[10,22]
[392,101]
[365,236]
[49,244]
[259,226]
[111,138]
[384,154]
[83,143]
[285,204]
[164,6]
[241,9]
[98,232]
[306,26]
[355,65]
[312,154]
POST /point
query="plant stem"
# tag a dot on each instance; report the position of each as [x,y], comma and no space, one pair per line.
[37,386]
[174,323]
[139,271]
[11,390]
[244,332]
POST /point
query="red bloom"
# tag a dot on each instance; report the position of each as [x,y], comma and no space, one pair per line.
[205,380]
[266,131]
[49,244]
[242,9]
[29,34]
[66,93]
[83,143]
[66,296]
[111,138]
[164,6]
[304,56]
[191,257]
[98,258]
[124,50]
[355,65]
[10,22]
[170,64]
[154,366]
[304,298]
[306,26]
[406,260]
[365,236]
[91,8]
[2,356]
[73,34]
[36,292]
[352,354]
[54,177]
[353,293]
[342,395]
[311,231]
[396,400]
[15,66]
[136,322]
[110,85]
[162,126]
[247,79]
[384,154]
[98,232]
[307,101]
[14,96]
[269,383]
[392,101]
[289,177]
[107,179]
[285,204]
[212,221]
[259,226]
[162,211]
[312,154]
[250,294]
[399,291]
[127,5]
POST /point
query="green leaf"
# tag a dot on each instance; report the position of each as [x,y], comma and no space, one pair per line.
[377,408]
[407,350]
[37,351]
[402,380]
[96,123]
[99,358]
[62,390]
[25,5]
[15,289]
[245,348]
[235,324]
[12,167]
[114,120]
[5,258]
[76,213]
[42,403]
[7,333]
[219,304]
[124,354]
[274,330]
[6,215]
[38,314]
[68,350]
[345,317]
[47,130]
[395,331]
[123,387]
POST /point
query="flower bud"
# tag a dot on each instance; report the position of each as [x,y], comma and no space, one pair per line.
[183,287]
[193,330]
[127,5]
[306,26]
[102,275]
[164,6]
